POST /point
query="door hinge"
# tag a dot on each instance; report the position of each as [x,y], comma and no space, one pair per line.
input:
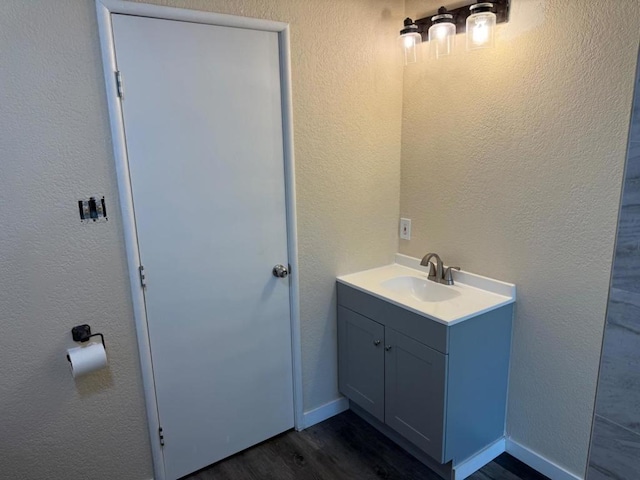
[161,435]
[119,88]
[143,278]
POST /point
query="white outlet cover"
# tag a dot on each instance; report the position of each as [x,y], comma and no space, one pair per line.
[405,228]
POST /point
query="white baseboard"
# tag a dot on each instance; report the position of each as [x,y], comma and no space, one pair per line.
[479,460]
[538,462]
[323,412]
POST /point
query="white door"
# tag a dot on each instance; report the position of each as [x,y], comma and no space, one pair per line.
[203,124]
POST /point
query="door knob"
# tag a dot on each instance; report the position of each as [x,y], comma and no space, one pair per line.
[376,342]
[387,348]
[280,271]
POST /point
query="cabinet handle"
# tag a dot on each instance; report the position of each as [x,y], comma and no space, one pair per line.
[376,342]
[387,348]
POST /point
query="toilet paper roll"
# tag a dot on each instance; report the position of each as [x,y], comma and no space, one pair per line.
[87,359]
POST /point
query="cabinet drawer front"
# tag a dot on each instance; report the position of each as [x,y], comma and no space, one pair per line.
[424,330]
[361,361]
[415,392]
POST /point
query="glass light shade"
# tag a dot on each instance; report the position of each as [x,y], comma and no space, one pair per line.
[481,27]
[409,43]
[441,38]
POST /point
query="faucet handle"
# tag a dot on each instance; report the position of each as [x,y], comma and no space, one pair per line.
[447,278]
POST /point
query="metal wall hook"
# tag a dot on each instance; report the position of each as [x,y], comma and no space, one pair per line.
[82,333]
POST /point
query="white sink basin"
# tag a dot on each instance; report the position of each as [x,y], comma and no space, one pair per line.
[405,284]
[420,288]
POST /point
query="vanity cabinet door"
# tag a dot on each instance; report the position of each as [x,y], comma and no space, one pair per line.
[361,361]
[415,392]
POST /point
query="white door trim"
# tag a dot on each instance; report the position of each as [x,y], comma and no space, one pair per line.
[104,9]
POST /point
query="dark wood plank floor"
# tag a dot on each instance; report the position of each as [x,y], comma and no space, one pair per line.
[344,447]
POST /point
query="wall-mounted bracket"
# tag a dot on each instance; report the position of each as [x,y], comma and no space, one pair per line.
[82,333]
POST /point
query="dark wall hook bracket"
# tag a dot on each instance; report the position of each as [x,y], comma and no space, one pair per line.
[82,333]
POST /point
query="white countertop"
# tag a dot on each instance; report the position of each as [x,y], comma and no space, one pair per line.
[470,296]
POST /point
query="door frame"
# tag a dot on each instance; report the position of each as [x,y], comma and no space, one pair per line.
[104,9]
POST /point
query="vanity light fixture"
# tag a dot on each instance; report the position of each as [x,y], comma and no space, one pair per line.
[410,38]
[477,19]
[442,33]
[481,25]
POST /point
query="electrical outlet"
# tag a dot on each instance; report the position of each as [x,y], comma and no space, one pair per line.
[405,228]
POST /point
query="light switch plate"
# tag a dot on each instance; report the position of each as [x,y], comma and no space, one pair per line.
[405,228]
[93,210]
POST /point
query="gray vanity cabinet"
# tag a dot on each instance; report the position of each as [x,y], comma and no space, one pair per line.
[434,388]
[394,378]
[361,375]
[414,397]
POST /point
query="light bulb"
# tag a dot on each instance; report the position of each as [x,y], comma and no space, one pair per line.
[441,34]
[409,41]
[480,33]
[481,26]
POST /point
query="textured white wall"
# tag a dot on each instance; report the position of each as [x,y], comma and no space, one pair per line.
[56,273]
[512,163]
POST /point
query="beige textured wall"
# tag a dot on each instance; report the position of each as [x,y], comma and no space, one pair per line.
[512,162]
[56,273]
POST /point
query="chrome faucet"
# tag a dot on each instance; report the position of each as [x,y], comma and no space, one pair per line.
[437,272]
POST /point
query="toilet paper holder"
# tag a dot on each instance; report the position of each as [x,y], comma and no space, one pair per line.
[86,359]
[82,333]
